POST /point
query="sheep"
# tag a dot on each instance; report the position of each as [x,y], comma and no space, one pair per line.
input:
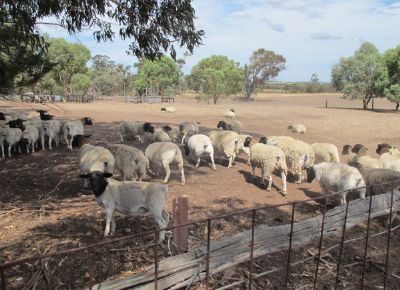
[44,115]
[226,143]
[173,132]
[269,159]
[394,152]
[29,137]
[160,136]
[273,140]
[325,152]
[163,154]
[131,163]
[51,129]
[168,109]
[363,158]
[95,158]
[234,125]
[337,178]
[188,129]
[129,198]
[246,150]
[346,151]
[200,144]
[230,114]
[297,128]
[134,130]
[74,128]
[299,156]
[11,136]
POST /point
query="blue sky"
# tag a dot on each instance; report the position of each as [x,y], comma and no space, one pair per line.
[311,34]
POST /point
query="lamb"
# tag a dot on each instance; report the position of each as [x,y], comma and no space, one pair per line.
[297,128]
[173,132]
[129,198]
[131,163]
[168,109]
[234,125]
[163,154]
[51,129]
[188,129]
[95,158]
[134,130]
[363,158]
[200,144]
[394,152]
[29,137]
[74,128]
[299,156]
[325,152]
[230,114]
[12,136]
[270,159]
[226,143]
[337,178]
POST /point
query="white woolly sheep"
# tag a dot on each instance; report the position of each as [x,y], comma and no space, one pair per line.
[246,150]
[363,158]
[395,152]
[129,198]
[188,129]
[131,163]
[74,128]
[169,109]
[297,128]
[160,136]
[388,160]
[325,152]
[226,143]
[95,158]
[134,130]
[233,125]
[274,140]
[29,137]
[230,114]
[269,159]
[162,154]
[299,156]
[173,132]
[11,136]
[337,177]
[198,145]
[51,129]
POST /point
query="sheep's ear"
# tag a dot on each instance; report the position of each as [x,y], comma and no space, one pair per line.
[84,175]
[107,175]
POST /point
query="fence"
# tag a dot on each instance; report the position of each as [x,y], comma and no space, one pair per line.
[206,259]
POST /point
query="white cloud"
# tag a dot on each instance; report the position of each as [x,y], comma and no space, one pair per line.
[311,34]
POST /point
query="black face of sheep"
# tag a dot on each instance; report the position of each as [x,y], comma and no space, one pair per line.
[2,116]
[163,109]
[16,124]
[87,121]
[221,124]
[147,127]
[263,140]
[310,174]
[382,148]
[167,128]
[98,181]
[80,140]
[232,110]
[358,148]
[44,115]
[346,149]
[247,141]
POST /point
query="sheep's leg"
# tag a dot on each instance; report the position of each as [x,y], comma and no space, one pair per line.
[198,161]
[50,139]
[58,141]
[109,217]
[269,186]
[342,198]
[253,170]
[283,176]
[168,170]
[183,138]
[33,147]
[9,150]
[27,148]
[182,173]
[19,149]
[122,138]
[42,141]
[162,222]
[113,226]
[299,178]
[248,160]
[362,192]
[212,161]
[2,150]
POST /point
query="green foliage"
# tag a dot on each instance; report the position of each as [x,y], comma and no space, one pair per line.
[162,74]
[216,76]
[264,65]
[314,86]
[392,61]
[80,84]
[362,76]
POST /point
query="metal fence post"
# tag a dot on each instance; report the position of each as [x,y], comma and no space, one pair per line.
[208,254]
[252,247]
[320,242]
[342,241]
[156,232]
[366,239]
[3,280]
[290,246]
[388,239]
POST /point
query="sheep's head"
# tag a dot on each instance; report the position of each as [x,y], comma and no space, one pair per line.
[232,110]
[290,127]
[247,141]
[2,116]
[87,121]
[18,123]
[359,149]
[346,149]
[263,140]
[310,174]
[148,127]
[163,109]
[221,124]
[166,128]
[382,148]
[98,181]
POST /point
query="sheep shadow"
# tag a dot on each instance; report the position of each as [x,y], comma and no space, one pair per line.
[257,181]
[363,110]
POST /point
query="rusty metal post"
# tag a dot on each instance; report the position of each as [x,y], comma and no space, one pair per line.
[326,103]
[290,247]
[366,239]
[208,254]
[388,240]
[320,242]
[3,280]
[252,248]
[179,217]
[342,241]
[156,232]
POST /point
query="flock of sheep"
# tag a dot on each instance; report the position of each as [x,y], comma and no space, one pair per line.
[280,155]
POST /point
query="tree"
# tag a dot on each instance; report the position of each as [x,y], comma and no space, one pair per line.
[70,59]
[362,76]
[80,83]
[263,66]
[153,27]
[392,61]
[161,74]
[314,83]
[216,76]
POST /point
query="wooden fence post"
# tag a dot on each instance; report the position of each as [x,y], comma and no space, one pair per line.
[179,217]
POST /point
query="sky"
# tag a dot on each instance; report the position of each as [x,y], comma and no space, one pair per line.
[311,34]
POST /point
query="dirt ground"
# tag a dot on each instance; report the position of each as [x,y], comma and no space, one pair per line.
[44,209]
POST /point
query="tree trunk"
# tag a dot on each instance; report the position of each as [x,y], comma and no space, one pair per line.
[397,106]
[366,102]
[215,100]
[249,92]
